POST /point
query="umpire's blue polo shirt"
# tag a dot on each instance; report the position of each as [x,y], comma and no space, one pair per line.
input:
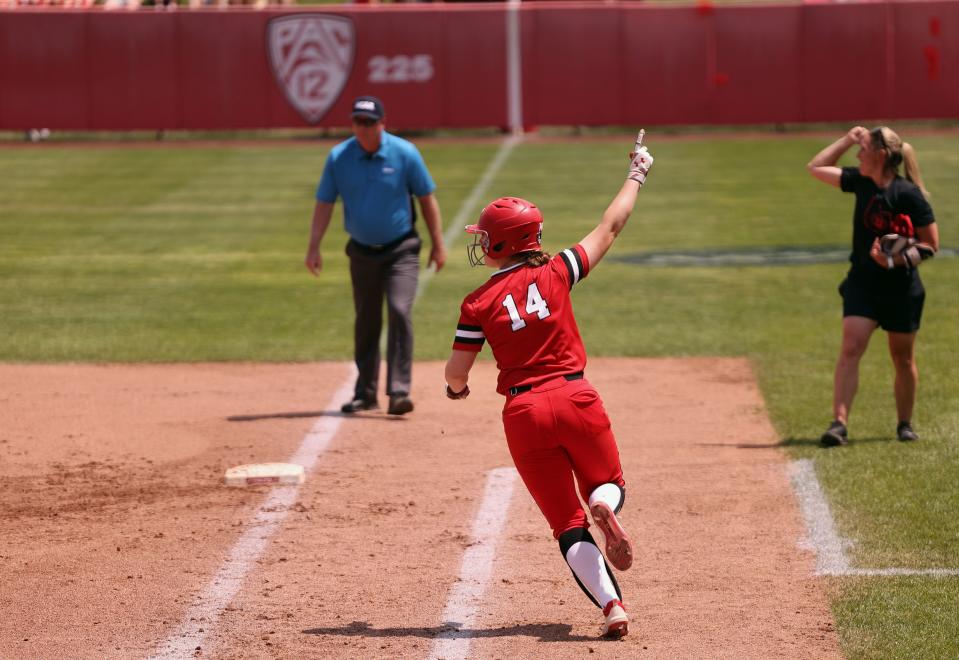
[375,188]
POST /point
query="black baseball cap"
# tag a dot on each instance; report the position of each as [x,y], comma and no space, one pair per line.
[369,107]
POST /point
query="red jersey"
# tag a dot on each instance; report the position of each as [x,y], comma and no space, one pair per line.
[526,315]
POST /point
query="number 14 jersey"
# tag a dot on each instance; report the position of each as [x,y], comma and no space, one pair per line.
[526,315]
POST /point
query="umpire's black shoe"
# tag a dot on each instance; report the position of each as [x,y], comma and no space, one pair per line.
[905,432]
[835,435]
[400,404]
[356,405]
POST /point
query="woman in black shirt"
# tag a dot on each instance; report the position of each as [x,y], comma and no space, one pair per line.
[883,287]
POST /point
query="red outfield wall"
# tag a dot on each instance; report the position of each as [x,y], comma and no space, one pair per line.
[446,65]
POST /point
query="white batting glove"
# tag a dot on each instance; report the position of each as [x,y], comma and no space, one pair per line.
[639,166]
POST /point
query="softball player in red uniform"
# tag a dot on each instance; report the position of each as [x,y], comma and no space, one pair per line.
[555,423]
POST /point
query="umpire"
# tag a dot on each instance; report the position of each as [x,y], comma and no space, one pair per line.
[377,174]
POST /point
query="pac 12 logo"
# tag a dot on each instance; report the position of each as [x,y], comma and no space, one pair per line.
[311,56]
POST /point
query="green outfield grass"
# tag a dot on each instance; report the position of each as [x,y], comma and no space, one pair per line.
[179,253]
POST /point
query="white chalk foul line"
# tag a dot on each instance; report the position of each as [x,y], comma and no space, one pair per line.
[830,553]
[203,615]
[825,541]
[896,572]
[477,567]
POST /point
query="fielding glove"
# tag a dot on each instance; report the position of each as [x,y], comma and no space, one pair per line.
[639,166]
[913,253]
[893,244]
[916,253]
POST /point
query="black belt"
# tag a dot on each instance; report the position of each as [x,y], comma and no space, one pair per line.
[519,389]
[383,247]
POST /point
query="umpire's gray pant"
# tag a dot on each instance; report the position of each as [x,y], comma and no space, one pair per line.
[392,271]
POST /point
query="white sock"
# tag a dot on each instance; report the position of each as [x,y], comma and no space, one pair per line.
[609,493]
[589,566]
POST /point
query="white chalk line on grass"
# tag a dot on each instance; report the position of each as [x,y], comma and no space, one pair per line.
[470,204]
[477,567]
[823,538]
[200,620]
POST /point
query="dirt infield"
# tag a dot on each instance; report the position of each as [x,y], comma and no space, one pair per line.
[115,518]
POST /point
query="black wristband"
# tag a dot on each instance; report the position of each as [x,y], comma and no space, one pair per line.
[462,394]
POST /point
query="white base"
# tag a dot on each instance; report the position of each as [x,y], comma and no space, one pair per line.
[258,474]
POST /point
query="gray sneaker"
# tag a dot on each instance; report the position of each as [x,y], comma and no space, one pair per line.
[905,433]
[835,435]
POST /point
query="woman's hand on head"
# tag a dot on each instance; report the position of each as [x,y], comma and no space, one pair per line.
[856,133]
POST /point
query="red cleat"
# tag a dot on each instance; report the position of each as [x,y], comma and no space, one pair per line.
[617,623]
[619,549]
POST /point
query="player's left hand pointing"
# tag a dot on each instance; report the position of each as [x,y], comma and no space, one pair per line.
[640,162]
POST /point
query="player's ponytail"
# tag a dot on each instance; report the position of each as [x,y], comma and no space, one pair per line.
[898,152]
[535,258]
[911,165]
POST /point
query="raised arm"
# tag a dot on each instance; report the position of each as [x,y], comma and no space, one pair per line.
[598,242]
[823,164]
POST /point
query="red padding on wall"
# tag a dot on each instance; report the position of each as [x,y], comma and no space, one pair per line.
[446,65]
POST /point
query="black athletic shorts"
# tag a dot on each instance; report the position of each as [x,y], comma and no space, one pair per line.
[896,310]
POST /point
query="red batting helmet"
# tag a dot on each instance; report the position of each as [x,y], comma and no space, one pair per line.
[506,226]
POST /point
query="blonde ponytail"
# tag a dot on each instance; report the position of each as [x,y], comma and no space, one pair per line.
[898,152]
[911,165]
